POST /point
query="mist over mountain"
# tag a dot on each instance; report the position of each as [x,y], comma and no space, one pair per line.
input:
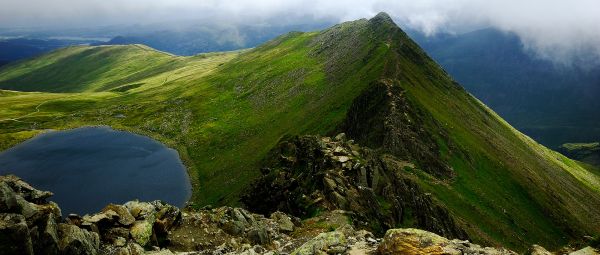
[552,102]
[191,40]
[300,127]
[562,31]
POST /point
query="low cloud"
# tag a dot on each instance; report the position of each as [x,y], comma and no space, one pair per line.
[564,31]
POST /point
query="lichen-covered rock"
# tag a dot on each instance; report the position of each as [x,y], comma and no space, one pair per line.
[325,243]
[124,216]
[141,232]
[259,235]
[14,235]
[75,240]
[135,249]
[539,250]
[283,221]
[167,216]
[140,210]
[419,242]
[586,251]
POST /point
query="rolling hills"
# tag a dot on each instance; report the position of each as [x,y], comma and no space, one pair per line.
[224,112]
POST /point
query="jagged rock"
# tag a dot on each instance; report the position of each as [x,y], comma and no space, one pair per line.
[124,216]
[538,250]
[340,137]
[140,210]
[74,240]
[167,216]
[259,235]
[375,187]
[113,234]
[8,199]
[121,251]
[382,117]
[14,235]
[283,221]
[74,219]
[98,217]
[417,242]
[47,240]
[141,232]
[586,251]
[135,249]
[325,243]
[25,190]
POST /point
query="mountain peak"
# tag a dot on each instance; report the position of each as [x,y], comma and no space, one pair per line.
[382,17]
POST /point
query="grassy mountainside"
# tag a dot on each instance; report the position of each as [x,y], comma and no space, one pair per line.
[82,68]
[223,112]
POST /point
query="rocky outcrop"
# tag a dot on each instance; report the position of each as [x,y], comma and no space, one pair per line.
[31,225]
[384,118]
[309,174]
[416,242]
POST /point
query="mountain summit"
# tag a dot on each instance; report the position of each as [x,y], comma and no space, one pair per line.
[231,114]
[382,18]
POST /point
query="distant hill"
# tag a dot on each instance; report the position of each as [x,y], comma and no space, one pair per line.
[82,68]
[434,156]
[585,152]
[551,103]
[22,48]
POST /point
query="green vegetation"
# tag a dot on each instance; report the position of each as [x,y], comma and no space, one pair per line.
[224,111]
[584,152]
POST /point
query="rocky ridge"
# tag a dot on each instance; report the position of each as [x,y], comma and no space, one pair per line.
[31,225]
[309,174]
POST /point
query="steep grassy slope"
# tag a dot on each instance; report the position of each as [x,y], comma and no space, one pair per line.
[223,112]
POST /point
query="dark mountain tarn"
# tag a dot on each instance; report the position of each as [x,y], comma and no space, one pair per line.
[87,168]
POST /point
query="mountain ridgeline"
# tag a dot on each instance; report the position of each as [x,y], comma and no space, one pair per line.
[414,129]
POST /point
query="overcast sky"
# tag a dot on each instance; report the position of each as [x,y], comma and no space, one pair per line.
[559,29]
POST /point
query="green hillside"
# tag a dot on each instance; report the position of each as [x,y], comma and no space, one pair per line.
[81,69]
[223,112]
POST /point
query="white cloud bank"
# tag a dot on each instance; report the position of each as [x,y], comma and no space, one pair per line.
[563,30]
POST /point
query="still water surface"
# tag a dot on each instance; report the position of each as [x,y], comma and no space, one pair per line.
[87,168]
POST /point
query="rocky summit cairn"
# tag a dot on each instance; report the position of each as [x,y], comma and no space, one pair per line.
[31,225]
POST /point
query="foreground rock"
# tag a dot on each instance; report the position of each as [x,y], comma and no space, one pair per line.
[415,241]
[31,225]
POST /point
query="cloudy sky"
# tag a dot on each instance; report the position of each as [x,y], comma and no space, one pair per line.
[559,29]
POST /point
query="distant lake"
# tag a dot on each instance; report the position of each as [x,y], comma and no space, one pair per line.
[87,168]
